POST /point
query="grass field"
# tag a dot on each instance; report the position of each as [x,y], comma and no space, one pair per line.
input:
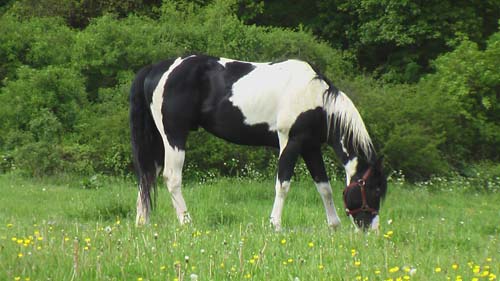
[56,230]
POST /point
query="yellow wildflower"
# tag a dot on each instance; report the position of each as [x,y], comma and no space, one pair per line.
[437,269]
[454,266]
[353,252]
[393,269]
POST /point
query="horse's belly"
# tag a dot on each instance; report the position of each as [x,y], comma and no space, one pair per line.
[228,122]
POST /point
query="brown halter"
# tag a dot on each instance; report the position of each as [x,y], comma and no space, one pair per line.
[364,206]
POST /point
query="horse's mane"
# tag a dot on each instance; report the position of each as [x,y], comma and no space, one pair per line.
[341,112]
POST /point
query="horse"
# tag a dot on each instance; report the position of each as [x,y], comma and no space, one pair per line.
[287,105]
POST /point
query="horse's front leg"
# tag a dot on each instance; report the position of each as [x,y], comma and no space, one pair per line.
[314,161]
[288,157]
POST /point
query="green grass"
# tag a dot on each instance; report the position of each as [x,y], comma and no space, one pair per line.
[55,230]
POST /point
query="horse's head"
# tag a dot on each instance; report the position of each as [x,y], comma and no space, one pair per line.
[363,195]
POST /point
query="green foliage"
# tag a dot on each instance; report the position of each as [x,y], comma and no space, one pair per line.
[37,42]
[63,91]
[469,79]
[36,111]
[393,39]
[77,13]
[108,46]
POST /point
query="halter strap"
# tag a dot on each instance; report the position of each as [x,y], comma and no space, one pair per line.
[364,204]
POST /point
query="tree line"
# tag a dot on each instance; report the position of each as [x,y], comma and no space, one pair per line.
[423,75]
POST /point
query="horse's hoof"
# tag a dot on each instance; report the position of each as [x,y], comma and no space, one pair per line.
[334,225]
[185,219]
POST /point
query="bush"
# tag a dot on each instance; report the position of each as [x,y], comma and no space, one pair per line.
[37,111]
[37,42]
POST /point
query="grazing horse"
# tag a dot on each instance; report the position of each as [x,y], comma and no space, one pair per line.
[288,105]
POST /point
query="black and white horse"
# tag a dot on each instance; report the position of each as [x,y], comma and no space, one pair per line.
[287,104]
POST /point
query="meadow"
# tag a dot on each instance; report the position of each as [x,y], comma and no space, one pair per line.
[54,229]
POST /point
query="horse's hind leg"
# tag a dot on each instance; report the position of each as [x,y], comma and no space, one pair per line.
[143,205]
[172,173]
[314,161]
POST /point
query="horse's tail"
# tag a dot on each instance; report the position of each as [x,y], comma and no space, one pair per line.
[147,146]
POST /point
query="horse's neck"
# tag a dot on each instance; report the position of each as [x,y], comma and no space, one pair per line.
[354,162]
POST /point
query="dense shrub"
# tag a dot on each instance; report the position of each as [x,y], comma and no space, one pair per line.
[64,93]
[37,111]
[37,42]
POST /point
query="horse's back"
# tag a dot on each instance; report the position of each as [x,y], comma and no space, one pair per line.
[242,102]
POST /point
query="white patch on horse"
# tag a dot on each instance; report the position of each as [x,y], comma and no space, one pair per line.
[279,201]
[276,94]
[142,211]
[348,118]
[374,225]
[223,61]
[174,158]
[157,101]
[325,190]
[350,169]
[344,148]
